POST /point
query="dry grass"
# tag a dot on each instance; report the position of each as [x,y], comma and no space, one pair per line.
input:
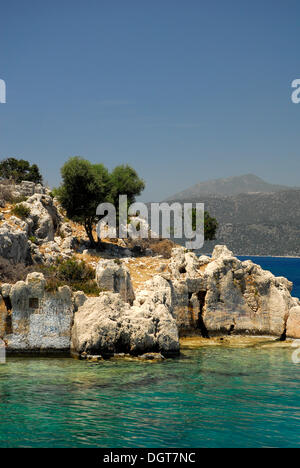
[143,269]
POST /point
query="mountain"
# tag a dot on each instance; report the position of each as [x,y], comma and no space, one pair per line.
[248,183]
[255,218]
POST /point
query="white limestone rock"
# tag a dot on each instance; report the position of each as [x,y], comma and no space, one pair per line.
[14,244]
[38,321]
[112,275]
[107,325]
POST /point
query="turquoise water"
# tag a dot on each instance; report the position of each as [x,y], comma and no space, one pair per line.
[209,397]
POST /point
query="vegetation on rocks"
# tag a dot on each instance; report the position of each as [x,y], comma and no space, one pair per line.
[76,274]
[210,225]
[86,185]
[19,170]
[21,211]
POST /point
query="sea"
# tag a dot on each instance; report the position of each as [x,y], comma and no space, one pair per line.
[208,397]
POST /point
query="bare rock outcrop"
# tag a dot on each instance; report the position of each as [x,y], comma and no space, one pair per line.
[33,320]
[223,295]
[243,298]
[44,218]
[211,296]
[106,325]
[293,323]
[14,244]
[111,275]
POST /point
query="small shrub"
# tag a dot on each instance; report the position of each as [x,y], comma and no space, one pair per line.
[73,270]
[76,274]
[33,239]
[90,288]
[21,211]
[162,247]
[19,199]
[158,246]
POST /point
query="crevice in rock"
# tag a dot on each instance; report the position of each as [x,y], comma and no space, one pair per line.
[8,318]
[8,324]
[283,336]
[7,303]
[231,329]
[201,325]
[182,270]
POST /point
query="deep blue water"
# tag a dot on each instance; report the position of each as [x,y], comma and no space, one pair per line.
[209,397]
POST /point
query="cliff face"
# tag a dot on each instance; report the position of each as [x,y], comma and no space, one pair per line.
[208,296]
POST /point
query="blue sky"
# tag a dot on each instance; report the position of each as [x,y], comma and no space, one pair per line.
[183,91]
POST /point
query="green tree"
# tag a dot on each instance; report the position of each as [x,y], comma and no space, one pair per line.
[84,186]
[19,170]
[125,181]
[210,225]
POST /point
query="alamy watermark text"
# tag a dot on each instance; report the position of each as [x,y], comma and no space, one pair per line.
[296,93]
[2,92]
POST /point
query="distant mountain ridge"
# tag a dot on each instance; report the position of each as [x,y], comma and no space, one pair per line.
[260,219]
[248,183]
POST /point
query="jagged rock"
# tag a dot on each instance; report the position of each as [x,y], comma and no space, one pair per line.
[14,244]
[221,295]
[66,230]
[25,189]
[113,276]
[36,320]
[183,263]
[218,295]
[69,243]
[243,298]
[79,299]
[51,247]
[44,216]
[107,325]
[221,251]
[293,323]
[204,260]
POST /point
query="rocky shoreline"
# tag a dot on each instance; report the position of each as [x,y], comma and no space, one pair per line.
[146,304]
[203,297]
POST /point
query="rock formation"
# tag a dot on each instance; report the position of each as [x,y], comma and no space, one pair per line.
[111,275]
[33,320]
[208,296]
[14,244]
[106,325]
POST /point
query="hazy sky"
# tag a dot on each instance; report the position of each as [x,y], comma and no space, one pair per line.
[183,91]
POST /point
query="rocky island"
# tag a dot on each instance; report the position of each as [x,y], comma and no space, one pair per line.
[145,302]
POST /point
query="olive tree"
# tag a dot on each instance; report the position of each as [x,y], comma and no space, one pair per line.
[85,185]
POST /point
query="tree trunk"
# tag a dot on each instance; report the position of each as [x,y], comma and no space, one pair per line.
[89,230]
